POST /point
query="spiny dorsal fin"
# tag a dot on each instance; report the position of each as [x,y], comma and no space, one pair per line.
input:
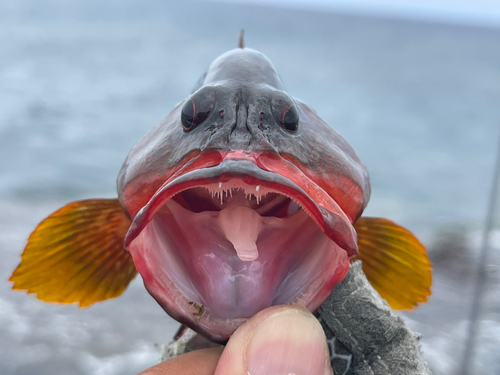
[241,41]
[394,261]
[76,255]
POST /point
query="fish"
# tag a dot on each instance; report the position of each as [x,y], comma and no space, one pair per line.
[241,198]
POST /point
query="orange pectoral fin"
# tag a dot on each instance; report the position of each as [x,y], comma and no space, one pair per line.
[394,261]
[76,255]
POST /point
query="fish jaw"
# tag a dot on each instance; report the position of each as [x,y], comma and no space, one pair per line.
[216,245]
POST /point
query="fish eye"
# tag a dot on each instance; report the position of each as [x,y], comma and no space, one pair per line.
[197,109]
[290,119]
[285,113]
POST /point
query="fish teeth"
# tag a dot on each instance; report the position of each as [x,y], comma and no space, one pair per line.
[220,189]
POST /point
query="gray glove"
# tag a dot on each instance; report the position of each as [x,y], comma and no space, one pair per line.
[364,334]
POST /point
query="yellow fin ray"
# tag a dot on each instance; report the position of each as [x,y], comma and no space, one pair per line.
[76,255]
[394,261]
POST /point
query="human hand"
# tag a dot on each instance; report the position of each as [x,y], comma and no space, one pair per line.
[280,340]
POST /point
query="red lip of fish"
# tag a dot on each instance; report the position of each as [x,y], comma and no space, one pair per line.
[322,208]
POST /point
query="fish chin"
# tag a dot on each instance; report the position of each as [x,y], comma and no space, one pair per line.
[217,252]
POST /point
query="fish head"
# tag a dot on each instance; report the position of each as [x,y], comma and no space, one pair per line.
[241,198]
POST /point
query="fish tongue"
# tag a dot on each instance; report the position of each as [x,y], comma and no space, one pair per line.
[241,226]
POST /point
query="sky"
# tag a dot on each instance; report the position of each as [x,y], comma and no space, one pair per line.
[472,12]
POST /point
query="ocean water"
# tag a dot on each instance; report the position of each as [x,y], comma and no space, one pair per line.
[81,83]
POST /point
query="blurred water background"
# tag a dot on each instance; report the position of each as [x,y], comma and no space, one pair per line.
[81,83]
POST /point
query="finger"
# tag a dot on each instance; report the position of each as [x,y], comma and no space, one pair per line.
[199,362]
[280,340]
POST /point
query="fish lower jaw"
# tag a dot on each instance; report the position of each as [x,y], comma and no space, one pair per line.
[214,269]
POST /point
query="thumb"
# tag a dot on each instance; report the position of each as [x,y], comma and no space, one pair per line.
[280,340]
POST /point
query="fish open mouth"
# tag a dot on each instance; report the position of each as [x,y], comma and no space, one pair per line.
[216,245]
